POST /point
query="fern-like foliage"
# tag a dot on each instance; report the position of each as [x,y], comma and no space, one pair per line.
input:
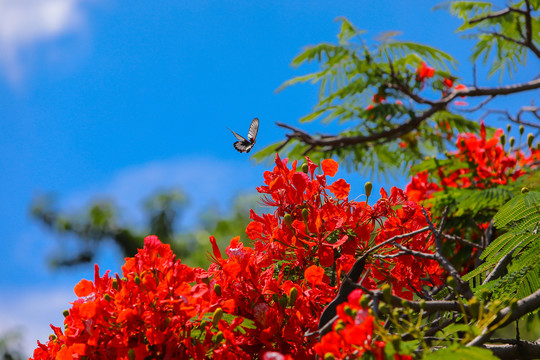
[519,218]
[368,89]
[503,36]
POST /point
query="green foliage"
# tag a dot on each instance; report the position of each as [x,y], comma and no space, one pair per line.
[102,221]
[501,36]
[520,219]
[351,74]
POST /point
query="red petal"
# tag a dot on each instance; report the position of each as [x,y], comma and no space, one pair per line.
[329,167]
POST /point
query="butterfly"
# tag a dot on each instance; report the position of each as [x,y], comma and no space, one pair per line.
[243,145]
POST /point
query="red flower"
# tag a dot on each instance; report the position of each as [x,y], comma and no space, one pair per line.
[272,293]
[314,274]
[329,167]
[424,71]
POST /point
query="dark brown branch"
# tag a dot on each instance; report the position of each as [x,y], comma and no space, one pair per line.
[529,31]
[461,240]
[479,106]
[521,350]
[415,252]
[494,15]
[499,90]
[461,285]
[501,266]
[522,307]
[337,141]
[505,37]
[525,109]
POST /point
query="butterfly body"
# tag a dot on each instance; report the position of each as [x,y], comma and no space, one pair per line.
[243,144]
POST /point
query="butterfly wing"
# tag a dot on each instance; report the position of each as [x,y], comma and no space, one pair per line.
[238,137]
[243,146]
[253,129]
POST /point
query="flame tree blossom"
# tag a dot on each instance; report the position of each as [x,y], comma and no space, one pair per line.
[485,164]
[255,301]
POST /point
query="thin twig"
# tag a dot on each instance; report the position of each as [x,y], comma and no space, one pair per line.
[462,286]
[462,240]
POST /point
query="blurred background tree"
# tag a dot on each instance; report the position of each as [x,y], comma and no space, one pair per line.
[81,234]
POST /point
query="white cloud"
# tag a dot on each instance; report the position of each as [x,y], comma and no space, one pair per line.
[26,23]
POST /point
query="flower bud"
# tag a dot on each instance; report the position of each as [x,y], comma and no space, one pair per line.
[219,336]
[218,314]
[124,279]
[305,214]
[383,308]
[530,138]
[521,129]
[65,313]
[364,301]
[293,295]
[367,188]
[340,325]
[503,139]
[387,293]
[451,282]
[137,280]
[305,168]
[107,297]
[422,304]
[287,219]
[115,284]
[167,321]
[474,305]
[283,301]
[217,289]
[508,128]
[349,311]
[396,341]
[329,356]
[524,190]
[512,141]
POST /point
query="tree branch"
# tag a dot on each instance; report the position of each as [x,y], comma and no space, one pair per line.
[461,240]
[522,307]
[461,285]
[334,142]
[495,14]
[521,350]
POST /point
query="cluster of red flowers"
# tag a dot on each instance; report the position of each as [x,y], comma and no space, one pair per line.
[353,332]
[485,164]
[260,301]
[423,72]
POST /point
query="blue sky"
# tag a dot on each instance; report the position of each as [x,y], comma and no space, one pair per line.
[116,100]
